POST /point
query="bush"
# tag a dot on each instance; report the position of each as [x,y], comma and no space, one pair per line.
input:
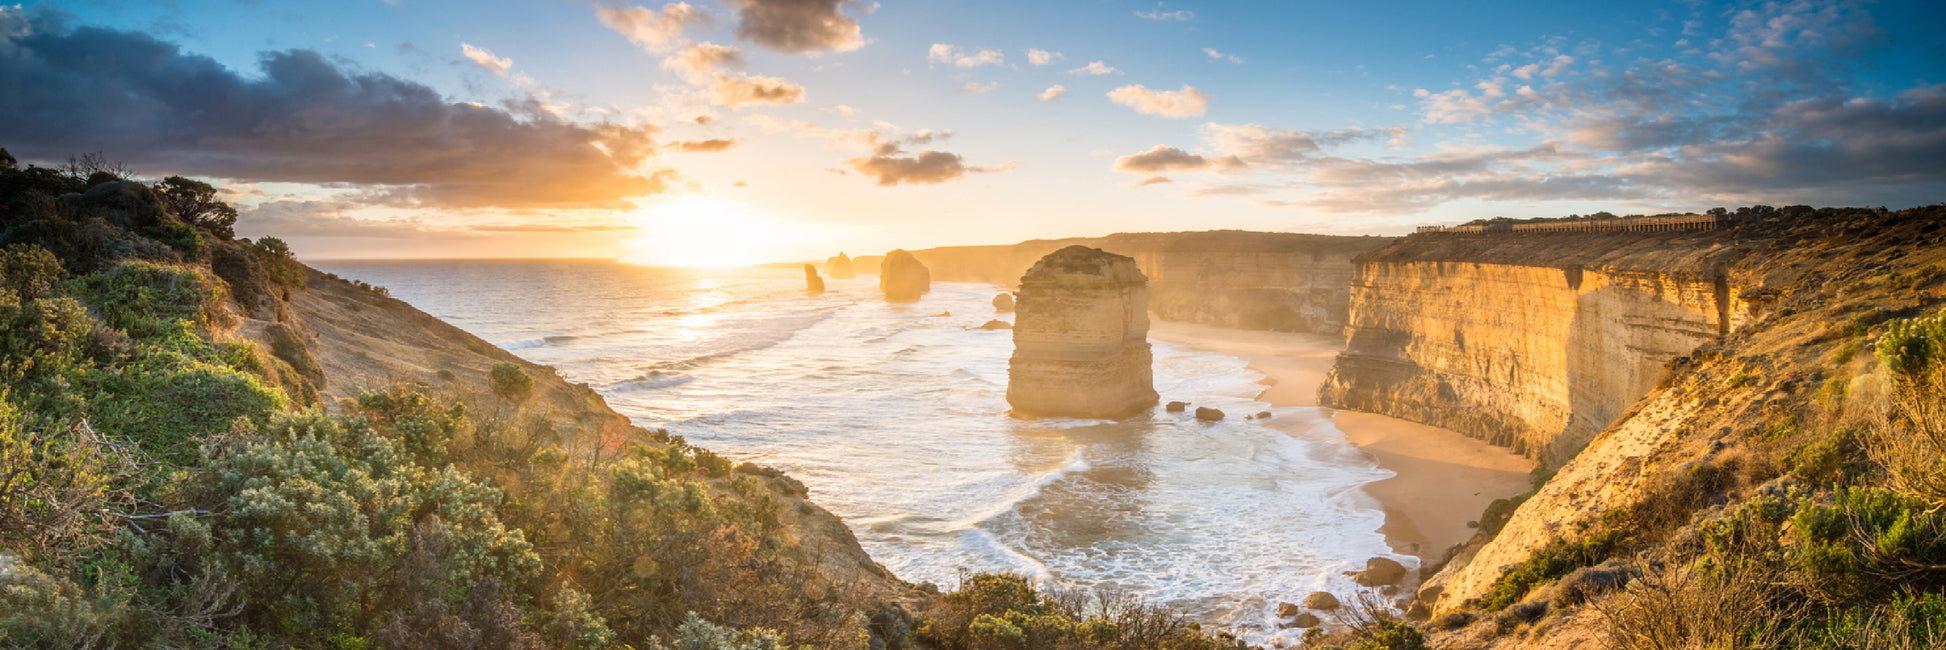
[1555,560]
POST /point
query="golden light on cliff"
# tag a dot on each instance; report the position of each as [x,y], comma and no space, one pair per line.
[701,231]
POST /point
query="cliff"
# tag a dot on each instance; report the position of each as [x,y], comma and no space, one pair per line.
[1081,344]
[1723,454]
[1533,342]
[1253,280]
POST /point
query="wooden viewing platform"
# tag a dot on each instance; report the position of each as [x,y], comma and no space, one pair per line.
[1626,224]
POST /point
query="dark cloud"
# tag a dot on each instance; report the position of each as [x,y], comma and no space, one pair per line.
[1164,159]
[305,120]
[712,144]
[739,91]
[799,26]
[926,168]
[328,218]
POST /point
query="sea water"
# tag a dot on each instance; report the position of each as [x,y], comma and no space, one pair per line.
[895,416]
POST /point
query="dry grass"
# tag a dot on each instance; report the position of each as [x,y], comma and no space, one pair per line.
[1693,608]
[1908,436]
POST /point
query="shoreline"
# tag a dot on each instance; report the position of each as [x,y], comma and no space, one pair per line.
[1442,479]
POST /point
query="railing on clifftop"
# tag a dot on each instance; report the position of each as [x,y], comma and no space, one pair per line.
[1625,224]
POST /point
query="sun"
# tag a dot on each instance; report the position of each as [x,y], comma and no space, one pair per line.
[702,231]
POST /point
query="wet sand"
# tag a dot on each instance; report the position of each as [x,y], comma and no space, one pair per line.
[1444,479]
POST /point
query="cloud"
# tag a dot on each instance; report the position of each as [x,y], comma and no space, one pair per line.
[1095,68]
[1152,180]
[327,218]
[302,119]
[697,62]
[713,144]
[1158,14]
[1219,56]
[799,26]
[1165,159]
[499,65]
[1259,144]
[1039,56]
[944,53]
[1187,102]
[975,88]
[733,92]
[1052,93]
[927,168]
[655,31]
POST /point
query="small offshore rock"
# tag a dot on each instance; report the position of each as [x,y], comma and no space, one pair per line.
[812,283]
[1302,619]
[996,325]
[1208,414]
[1287,610]
[1263,415]
[1176,407]
[1380,572]
[1003,303]
[1321,600]
[942,314]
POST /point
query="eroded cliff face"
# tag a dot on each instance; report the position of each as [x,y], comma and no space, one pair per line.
[1081,338]
[1536,351]
[1793,294]
[1253,280]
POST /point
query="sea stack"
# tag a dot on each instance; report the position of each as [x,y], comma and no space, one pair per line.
[1081,337]
[902,277]
[812,283]
[1003,303]
[839,268]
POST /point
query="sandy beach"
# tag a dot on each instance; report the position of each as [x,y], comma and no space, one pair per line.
[1444,479]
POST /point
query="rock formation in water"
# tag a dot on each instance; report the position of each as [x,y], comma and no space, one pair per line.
[812,283]
[1208,414]
[1081,346]
[1003,303]
[840,268]
[997,325]
[902,277]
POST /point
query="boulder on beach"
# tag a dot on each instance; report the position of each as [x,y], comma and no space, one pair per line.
[1263,415]
[1208,414]
[902,277]
[1380,572]
[812,283]
[1321,600]
[997,325]
[840,268]
[1003,303]
[1081,337]
[1176,407]
[1302,619]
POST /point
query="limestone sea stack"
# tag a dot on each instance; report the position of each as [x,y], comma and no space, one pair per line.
[902,277]
[1081,337]
[812,283]
[1003,303]
[839,268]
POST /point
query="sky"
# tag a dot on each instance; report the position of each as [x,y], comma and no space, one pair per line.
[739,131]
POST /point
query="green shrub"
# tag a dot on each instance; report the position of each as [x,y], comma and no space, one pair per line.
[1870,543]
[1550,562]
[147,300]
[510,382]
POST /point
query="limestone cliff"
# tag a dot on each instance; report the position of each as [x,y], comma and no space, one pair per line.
[1534,342]
[1081,346]
[903,277]
[1716,427]
[1252,280]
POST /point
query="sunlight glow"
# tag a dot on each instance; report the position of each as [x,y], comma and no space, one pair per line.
[705,232]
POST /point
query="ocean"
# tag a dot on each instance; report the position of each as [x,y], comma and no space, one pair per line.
[895,416]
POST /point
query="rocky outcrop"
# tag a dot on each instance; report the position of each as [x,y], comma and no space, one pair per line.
[1081,346]
[1003,303]
[840,268]
[1252,280]
[1532,342]
[902,277]
[812,283]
